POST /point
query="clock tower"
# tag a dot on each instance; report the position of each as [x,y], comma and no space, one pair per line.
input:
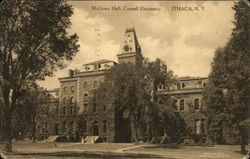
[130,51]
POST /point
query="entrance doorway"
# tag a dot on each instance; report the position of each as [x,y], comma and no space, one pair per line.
[95,131]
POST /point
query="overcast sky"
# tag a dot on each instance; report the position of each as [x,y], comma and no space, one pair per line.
[185,40]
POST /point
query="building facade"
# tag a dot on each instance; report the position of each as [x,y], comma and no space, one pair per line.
[189,103]
[76,97]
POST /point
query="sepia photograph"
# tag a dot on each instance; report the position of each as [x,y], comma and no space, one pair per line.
[124,79]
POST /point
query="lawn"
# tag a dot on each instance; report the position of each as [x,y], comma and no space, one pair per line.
[25,150]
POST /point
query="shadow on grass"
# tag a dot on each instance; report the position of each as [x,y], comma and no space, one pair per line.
[175,146]
[239,152]
[93,155]
[169,146]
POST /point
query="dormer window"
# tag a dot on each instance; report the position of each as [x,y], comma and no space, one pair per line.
[183,85]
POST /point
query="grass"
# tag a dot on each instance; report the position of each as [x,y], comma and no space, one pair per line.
[23,150]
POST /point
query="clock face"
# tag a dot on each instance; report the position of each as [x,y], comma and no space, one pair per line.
[126,47]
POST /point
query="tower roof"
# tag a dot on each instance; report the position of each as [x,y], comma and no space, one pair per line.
[130,43]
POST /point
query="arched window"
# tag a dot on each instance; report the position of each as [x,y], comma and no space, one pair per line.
[104,126]
[176,105]
[64,101]
[64,110]
[85,97]
[72,100]
[65,89]
[85,85]
[72,88]
[196,104]
[71,109]
[182,104]
[95,84]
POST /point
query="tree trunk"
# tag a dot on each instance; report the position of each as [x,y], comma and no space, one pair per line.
[8,133]
[136,129]
[243,141]
[34,132]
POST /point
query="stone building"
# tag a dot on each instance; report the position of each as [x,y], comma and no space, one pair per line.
[77,94]
[189,102]
[48,116]
[77,98]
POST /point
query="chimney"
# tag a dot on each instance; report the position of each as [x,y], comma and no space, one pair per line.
[71,73]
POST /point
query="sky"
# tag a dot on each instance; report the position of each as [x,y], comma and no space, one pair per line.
[186,40]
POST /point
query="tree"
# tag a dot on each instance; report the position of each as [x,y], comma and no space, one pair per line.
[34,42]
[228,95]
[29,106]
[170,121]
[131,90]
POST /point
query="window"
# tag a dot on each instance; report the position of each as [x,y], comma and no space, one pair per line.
[64,101]
[65,89]
[64,110]
[176,105]
[198,127]
[104,126]
[182,104]
[44,127]
[104,108]
[70,126]
[94,107]
[95,84]
[64,126]
[85,97]
[72,100]
[204,84]
[85,106]
[72,88]
[196,104]
[71,109]
[85,85]
[183,85]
